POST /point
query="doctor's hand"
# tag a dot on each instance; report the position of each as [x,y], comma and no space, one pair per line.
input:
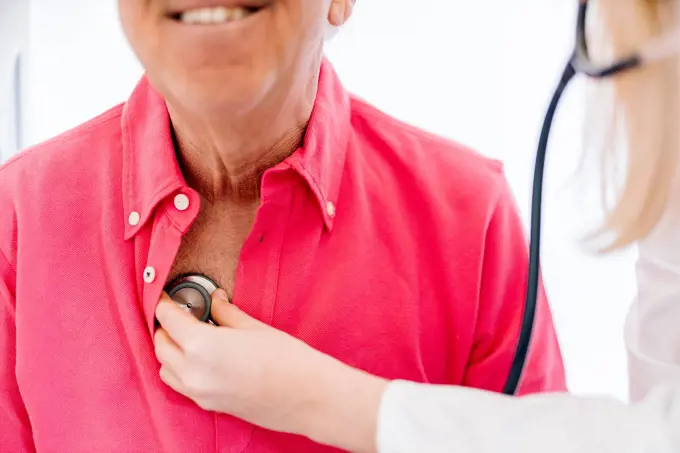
[250,370]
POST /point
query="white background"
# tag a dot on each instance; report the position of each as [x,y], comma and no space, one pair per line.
[14,16]
[478,72]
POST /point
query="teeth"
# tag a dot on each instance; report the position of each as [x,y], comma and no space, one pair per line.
[217,15]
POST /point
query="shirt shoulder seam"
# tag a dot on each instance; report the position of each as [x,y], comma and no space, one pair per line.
[110,115]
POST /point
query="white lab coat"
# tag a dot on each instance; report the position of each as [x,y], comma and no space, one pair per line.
[418,418]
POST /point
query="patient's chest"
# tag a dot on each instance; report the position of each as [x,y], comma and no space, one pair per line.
[92,374]
[213,244]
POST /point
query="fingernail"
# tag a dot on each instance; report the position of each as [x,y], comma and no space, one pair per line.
[221,294]
[337,16]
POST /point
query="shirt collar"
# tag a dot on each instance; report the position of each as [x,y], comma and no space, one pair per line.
[151,171]
[150,168]
[321,160]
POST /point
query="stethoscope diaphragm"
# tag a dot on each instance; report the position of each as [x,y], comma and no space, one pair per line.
[193,294]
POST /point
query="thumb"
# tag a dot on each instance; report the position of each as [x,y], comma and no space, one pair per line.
[226,314]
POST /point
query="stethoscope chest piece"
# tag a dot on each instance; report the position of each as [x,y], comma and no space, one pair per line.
[193,293]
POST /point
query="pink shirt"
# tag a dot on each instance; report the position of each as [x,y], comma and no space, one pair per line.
[396,251]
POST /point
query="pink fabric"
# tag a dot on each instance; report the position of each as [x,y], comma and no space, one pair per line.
[419,273]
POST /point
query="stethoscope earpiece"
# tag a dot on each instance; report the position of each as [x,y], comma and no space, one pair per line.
[193,293]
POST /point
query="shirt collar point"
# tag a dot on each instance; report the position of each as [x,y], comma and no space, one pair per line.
[328,222]
[132,225]
[131,232]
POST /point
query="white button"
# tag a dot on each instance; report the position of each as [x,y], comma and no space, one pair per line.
[134,218]
[330,209]
[149,274]
[182,202]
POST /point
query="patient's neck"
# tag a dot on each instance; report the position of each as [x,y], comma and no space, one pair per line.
[224,156]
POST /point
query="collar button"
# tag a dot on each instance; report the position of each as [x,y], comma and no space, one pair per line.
[330,209]
[181,202]
[134,218]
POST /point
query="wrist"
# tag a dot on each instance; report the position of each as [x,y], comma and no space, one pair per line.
[346,409]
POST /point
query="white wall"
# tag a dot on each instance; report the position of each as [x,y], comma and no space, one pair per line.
[14,19]
[80,64]
[449,66]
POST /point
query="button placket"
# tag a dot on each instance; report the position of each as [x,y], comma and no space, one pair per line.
[160,240]
[165,241]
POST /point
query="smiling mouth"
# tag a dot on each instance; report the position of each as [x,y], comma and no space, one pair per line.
[215,15]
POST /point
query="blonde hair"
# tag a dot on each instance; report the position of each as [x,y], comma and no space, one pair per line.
[644,106]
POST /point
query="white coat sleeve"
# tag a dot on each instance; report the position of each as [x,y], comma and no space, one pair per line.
[653,324]
[436,419]
[418,418]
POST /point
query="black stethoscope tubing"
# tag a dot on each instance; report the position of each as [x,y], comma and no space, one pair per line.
[579,63]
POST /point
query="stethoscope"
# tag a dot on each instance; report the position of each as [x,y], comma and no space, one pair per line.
[193,292]
[579,63]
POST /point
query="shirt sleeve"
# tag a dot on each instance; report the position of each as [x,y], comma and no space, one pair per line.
[444,419]
[501,308]
[15,430]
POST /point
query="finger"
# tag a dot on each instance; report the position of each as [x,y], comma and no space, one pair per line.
[167,351]
[171,380]
[179,325]
[226,314]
